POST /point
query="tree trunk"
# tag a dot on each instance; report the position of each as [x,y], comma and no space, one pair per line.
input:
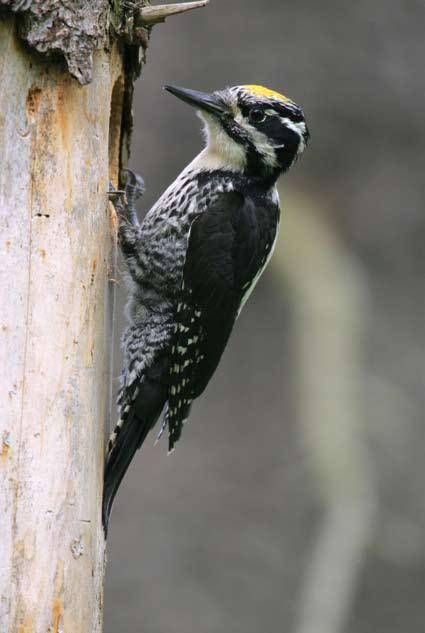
[60,142]
[65,125]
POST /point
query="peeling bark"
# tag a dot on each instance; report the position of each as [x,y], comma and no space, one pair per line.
[75,29]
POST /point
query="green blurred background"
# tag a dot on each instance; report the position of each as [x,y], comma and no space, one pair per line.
[295,501]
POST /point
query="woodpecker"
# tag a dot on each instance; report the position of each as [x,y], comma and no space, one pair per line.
[194,260]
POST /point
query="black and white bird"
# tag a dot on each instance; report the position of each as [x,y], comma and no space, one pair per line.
[195,259]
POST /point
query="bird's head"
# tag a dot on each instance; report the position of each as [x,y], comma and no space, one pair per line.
[249,129]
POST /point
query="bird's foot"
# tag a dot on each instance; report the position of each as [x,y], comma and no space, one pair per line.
[124,200]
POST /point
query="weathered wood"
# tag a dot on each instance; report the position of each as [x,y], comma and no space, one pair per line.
[57,244]
[74,29]
[159,13]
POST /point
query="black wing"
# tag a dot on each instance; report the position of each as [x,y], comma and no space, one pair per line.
[228,245]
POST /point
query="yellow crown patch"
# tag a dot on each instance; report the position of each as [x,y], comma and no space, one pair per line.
[265,92]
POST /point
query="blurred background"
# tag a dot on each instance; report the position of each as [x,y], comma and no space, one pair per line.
[295,501]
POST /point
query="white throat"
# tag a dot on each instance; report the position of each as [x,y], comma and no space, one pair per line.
[221,152]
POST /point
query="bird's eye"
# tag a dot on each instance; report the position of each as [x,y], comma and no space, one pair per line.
[256,115]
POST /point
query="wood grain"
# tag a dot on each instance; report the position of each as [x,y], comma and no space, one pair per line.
[57,244]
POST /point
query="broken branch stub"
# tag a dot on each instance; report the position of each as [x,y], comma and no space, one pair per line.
[152,15]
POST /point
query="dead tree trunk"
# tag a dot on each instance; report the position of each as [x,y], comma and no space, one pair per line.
[60,143]
[64,133]
[56,305]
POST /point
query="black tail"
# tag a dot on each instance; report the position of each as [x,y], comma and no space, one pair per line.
[142,416]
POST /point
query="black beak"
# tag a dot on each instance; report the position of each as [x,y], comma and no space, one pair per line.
[200,100]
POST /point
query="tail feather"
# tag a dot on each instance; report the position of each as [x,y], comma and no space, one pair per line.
[129,437]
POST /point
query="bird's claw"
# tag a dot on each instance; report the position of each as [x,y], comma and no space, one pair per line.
[116,196]
[124,200]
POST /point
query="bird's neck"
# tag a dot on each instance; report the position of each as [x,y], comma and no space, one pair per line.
[211,159]
[234,165]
